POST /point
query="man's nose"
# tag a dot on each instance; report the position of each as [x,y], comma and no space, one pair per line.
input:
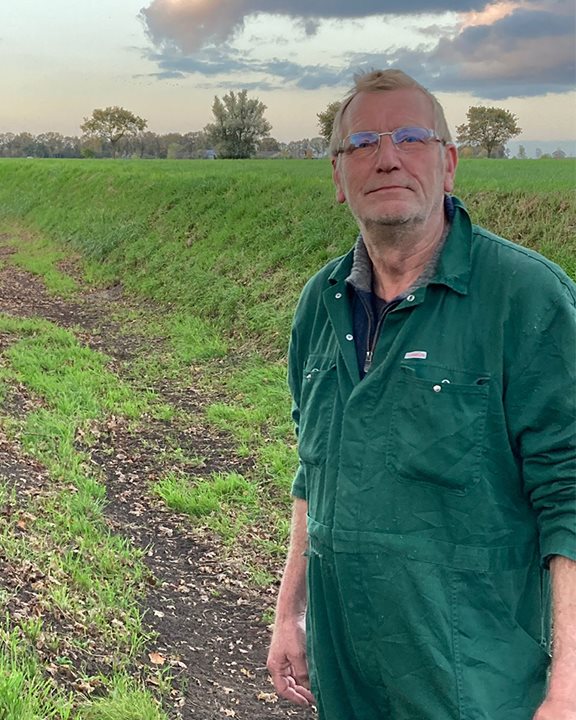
[387,154]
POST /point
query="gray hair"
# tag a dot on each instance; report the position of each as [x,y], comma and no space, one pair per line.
[385,81]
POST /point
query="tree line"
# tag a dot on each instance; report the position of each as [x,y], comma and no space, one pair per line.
[239,130]
[146,145]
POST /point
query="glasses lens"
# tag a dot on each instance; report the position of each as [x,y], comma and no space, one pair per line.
[411,137]
[361,141]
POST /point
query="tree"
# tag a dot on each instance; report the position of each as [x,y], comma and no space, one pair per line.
[269,145]
[318,145]
[112,124]
[24,145]
[326,119]
[521,153]
[240,125]
[558,154]
[488,128]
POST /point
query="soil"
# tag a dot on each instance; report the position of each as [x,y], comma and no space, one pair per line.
[204,613]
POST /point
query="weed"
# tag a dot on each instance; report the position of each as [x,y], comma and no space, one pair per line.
[126,701]
[201,496]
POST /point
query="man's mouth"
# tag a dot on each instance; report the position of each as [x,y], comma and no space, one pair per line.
[385,188]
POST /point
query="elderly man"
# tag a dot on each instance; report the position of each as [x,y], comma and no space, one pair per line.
[432,374]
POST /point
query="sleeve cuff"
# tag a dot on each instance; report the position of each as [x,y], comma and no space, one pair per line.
[559,543]
[299,484]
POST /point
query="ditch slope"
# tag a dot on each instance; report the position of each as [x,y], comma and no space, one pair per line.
[204,614]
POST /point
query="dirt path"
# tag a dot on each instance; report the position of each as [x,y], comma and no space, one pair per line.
[206,614]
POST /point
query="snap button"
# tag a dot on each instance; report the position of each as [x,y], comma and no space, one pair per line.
[338,296]
[410,298]
[349,337]
[437,388]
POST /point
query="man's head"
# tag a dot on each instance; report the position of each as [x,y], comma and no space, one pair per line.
[392,156]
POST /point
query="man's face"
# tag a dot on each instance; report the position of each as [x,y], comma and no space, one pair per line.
[392,186]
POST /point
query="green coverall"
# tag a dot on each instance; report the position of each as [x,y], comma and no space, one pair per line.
[438,486]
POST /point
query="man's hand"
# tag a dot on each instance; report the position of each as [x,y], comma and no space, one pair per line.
[287,655]
[556,710]
[287,662]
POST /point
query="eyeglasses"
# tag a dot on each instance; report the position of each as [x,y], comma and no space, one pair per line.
[407,139]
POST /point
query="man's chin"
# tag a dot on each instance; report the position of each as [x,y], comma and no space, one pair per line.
[392,220]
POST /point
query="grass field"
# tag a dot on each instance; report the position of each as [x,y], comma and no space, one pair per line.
[233,242]
[223,249]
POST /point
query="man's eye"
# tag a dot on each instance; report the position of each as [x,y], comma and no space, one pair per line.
[362,141]
[411,136]
[408,139]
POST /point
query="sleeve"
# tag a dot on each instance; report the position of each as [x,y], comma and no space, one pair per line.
[295,383]
[541,400]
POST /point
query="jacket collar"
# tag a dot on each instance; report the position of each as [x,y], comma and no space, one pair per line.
[454,264]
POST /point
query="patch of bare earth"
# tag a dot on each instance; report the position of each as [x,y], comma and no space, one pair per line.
[201,609]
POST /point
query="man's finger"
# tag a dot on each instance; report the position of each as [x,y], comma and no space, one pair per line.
[297,693]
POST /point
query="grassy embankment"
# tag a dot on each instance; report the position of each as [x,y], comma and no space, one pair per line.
[224,248]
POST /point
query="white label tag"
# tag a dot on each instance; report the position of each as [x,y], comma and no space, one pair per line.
[416,355]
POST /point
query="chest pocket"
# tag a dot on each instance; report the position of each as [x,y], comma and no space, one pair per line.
[317,399]
[437,427]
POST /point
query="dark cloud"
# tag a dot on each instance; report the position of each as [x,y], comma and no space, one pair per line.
[194,23]
[223,61]
[530,24]
[210,61]
[506,59]
[361,8]
[527,53]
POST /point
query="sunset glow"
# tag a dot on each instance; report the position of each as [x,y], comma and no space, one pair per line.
[491,14]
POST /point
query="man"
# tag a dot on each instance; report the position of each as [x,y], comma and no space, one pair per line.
[432,373]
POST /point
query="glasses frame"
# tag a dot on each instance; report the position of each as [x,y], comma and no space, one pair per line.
[432,137]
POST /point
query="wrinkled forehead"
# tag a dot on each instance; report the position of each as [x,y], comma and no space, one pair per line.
[385,110]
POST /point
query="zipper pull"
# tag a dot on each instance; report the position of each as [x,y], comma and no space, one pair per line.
[368,361]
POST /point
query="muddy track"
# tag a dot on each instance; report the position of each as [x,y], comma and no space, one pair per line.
[201,608]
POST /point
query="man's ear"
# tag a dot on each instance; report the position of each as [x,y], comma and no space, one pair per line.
[340,196]
[451,165]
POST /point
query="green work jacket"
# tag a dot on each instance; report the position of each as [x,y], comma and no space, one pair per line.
[439,485]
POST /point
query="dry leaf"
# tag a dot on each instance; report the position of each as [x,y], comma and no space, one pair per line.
[267,697]
[156,658]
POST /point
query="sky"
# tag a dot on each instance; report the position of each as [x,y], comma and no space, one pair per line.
[166,60]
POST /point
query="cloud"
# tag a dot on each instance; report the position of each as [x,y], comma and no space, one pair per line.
[273,74]
[529,52]
[192,24]
[508,48]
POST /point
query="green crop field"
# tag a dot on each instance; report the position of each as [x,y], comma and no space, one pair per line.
[233,242]
[219,251]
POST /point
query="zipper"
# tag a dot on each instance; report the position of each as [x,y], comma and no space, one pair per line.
[369,351]
[369,356]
